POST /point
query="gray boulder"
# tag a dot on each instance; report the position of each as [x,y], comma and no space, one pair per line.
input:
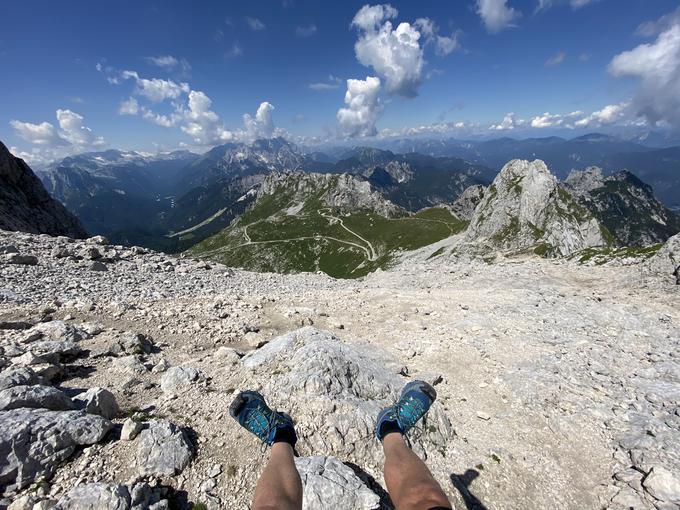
[164,449]
[179,378]
[98,401]
[663,485]
[53,351]
[335,392]
[132,343]
[58,331]
[18,376]
[95,496]
[98,266]
[328,483]
[17,258]
[33,442]
[667,259]
[40,397]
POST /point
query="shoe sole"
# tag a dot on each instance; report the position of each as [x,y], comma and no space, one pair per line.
[420,386]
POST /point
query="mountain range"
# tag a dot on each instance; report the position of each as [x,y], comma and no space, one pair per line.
[350,210]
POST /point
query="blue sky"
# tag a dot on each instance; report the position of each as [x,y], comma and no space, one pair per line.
[162,75]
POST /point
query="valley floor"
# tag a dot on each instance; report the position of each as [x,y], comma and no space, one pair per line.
[562,382]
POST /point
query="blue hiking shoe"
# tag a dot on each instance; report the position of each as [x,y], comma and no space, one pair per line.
[415,400]
[251,412]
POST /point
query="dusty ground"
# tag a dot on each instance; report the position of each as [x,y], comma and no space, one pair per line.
[542,363]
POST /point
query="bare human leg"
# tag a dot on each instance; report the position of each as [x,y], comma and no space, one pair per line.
[279,486]
[409,482]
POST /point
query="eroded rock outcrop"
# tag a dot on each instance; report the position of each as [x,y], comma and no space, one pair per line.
[525,208]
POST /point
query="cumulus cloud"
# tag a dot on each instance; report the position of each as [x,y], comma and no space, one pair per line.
[333,83]
[395,54]
[363,107]
[50,143]
[556,59]
[156,89]
[554,120]
[260,126]
[306,31]
[610,114]
[657,66]
[38,134]
[496,14]
[457,128]
[255,24]
[509,122]
[201,123]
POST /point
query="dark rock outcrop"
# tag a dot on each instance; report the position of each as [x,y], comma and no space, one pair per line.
[25,204]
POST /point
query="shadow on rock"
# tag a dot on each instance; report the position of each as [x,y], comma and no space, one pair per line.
[462,484]
[371,483]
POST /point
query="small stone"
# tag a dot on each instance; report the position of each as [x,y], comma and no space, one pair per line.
[130,430]
[164,449]
[98,266]
[483,416]
[161,366]
[177,378]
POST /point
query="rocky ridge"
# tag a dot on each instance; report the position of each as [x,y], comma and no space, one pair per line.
[25,205]
[625,205]
[558,383]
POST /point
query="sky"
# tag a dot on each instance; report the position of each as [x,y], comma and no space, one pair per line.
[156,76]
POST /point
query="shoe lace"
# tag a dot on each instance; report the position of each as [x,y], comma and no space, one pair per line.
[260,422]
[409,411]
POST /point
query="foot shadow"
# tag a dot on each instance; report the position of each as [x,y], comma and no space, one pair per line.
[371,483]
[462,484]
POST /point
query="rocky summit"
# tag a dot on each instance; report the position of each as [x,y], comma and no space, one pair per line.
[558,382]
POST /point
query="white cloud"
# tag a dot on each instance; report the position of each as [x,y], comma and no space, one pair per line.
[333,83]
[584,57]
[509,122]
[577,4]
[203,124]
[652,28]
[50,143]
[444,45]
[170,63]
[74,132]
[496,14]
[657,65]
[456,128]
[556,59]
[38,134]
[255,24]
[262,125]
[363,107]
[306,31]
[155,89]
[129,106]
[610,114]
[394,54]
[447,44]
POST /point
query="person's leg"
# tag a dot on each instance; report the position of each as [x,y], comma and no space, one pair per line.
[409,482]
[279,486]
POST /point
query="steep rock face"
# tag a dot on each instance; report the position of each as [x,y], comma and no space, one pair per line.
[526,208]
[465,205]
[343,191]
[625,205]
[25,204]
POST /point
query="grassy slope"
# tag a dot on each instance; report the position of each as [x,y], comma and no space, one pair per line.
[310,241]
